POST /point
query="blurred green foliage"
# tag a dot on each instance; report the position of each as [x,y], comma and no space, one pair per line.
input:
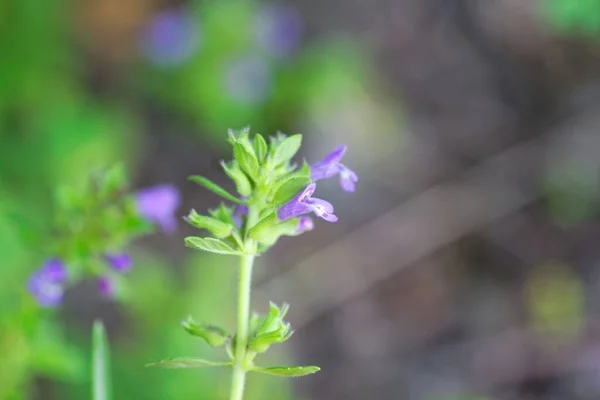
[578,17]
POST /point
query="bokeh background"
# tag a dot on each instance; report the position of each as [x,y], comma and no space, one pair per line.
[465,267]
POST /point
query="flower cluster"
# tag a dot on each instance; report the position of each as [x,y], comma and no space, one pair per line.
[304,203]
[111,221]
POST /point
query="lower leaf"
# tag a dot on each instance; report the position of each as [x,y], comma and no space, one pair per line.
[187,362]
[288,372]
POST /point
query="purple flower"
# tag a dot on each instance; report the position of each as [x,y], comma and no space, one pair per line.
[121,262]
[248,79]
[170,39]
[47,283]
[106,287]
[303,203]
[331,166]
[158,204]
[305,224]
[278,28]
[240,211]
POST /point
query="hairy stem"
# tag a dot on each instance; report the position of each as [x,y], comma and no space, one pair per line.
[245,282]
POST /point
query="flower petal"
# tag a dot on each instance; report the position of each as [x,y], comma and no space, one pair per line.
[327,206]
[291,210]
[321,170]
[322,209]
[240,211]
[53,270]
[47,294]
[305,224]
[106,287]
[158,204]
[306,193]
[120,262]
[336,155]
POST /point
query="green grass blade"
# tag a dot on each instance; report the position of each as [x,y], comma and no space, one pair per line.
[100,363]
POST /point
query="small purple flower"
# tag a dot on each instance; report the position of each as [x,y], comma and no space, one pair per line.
[170,39]
[120,262]
[331,166]
[158,204]
[278,28]
[47,283]
[248,79]
[303,203]
[106,287]
[240,211]
[305,224]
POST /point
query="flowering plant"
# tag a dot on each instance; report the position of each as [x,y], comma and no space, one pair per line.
[275,198]
[92,229]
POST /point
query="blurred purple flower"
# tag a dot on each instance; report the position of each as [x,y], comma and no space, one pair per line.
[305,224]
[303,203]
[106,287]
[47,283]
[278,28]
[240,211]
[120,262]
[158,204]
[171,38]
[248,79]
[331,166]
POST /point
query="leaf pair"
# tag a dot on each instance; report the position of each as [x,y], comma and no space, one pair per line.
[189,362]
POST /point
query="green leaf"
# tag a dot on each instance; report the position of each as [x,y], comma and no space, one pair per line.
[288,372]
[287,149]
[260,147]
[265,223]
[223,213]
[214,336]
[238,176]
[261,343]
[210,245]
[187,362]
[238,135]
[268,230]
[247,159]
[69,198]
[218,228]
[213,187]
[273,319]
[113,181]
[100,363]
[290,188]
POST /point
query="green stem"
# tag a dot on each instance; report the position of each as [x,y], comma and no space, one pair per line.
[245,282]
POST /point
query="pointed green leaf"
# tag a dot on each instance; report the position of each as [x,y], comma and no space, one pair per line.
[210,245]
[223,213]
[113,180]
[213,187]
[290,188]
[213,335]
[261,343]
[269,234]
[187,362]
[260,147]
[272,320]
[265,223]
[240,179]
[238,135]
[101,389]
[218,228]
[287,149]
[247,159]
[288,372]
